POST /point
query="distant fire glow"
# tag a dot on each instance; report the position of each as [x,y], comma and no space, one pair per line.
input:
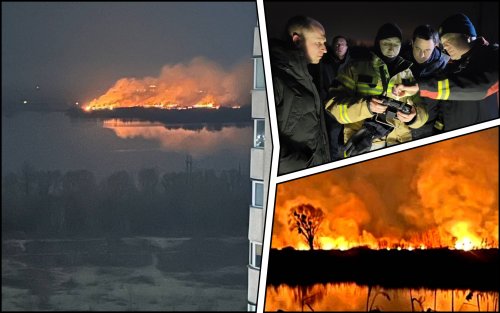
[201,84]
[438,196]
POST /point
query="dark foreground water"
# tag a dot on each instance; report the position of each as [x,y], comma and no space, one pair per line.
[53,141]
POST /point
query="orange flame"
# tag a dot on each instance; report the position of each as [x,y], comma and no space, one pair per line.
[438,196]
[199,84]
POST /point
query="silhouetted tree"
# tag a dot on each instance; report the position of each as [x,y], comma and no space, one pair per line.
[119,203]
[27,176]
[148,179]
[79,192]
[306,219]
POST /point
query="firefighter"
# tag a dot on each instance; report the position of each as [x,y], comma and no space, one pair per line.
[469,82]
[356,101]
[428,59]
[300,113]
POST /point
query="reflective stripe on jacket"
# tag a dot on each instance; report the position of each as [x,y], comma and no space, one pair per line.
[364,78]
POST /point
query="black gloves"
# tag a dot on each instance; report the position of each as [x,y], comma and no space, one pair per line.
[361,141]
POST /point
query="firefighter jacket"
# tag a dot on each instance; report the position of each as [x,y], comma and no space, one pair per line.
[436,64]
[470,86]
[358,82]
[300,113]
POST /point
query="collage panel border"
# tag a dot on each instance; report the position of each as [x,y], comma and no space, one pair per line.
[274,179]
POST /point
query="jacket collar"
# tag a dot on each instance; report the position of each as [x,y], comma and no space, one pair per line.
[436,62]
[400,63]
[288,59]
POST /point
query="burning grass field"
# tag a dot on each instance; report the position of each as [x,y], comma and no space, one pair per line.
[195,115]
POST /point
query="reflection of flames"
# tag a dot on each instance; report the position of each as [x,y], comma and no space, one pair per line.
[351,297]
[200,84]
[196,142]
[439,196]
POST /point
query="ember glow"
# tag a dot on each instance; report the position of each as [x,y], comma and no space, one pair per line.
[443,195]
[199,84]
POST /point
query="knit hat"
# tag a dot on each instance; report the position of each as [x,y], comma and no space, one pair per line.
[388,30]
[458,23]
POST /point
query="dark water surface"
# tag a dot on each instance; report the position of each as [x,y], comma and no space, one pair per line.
[54,141]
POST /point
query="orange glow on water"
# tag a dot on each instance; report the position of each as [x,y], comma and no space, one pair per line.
[351,297]
[197,142]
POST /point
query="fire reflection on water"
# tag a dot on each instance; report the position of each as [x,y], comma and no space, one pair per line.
[198,143]
[352,297]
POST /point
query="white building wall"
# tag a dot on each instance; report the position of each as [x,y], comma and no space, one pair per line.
[259,103]
[260,165]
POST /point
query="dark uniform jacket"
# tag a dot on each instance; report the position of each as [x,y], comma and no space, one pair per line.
[300,114]
[324,75]
[436,64]
[470,85]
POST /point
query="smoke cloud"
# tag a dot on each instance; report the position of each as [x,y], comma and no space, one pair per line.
[199,82]
[444,194]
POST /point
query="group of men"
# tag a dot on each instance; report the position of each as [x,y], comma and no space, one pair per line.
[338,101]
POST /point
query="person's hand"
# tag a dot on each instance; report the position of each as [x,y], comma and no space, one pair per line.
[376,106]
[407,117]
[400,90]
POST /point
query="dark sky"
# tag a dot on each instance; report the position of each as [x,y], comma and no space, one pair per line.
[360,20]
[76,51]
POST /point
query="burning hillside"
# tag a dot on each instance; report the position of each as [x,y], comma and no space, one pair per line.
[443,195]
[199,84]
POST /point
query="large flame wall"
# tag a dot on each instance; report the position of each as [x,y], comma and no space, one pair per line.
[441,195]
[201,83]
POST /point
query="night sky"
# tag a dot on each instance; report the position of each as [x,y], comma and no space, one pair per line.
[360,20]
[76,51]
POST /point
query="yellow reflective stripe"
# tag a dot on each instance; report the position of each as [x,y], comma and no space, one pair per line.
[346,116]
[370,88]
[346,81]
[390,86]
[440,91]
[446,89]
[343,113]
[345,154]
[370,92]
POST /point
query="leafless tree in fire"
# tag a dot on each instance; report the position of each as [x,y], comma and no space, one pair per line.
[306,219]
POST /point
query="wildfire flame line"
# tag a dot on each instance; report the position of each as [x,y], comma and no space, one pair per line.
[438,196]
[199,84]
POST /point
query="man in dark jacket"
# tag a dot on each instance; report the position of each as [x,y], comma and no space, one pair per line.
[332,63]
[427,59]
[324,74]
[469,81]
[300,113]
